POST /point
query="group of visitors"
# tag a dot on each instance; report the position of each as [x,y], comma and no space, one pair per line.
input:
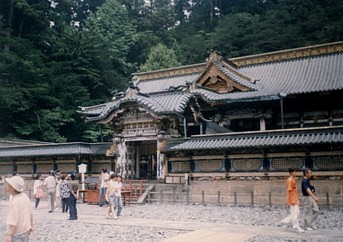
[110,193]
[310,202]
[61,193]
[20,219]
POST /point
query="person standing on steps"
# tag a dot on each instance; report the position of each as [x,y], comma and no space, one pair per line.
[292,202]
[311,209]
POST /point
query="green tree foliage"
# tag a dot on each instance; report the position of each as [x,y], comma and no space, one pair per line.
[110,36]
[58,55]
[160,57]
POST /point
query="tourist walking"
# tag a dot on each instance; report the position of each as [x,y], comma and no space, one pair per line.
[117,197]
[65,193]
[50,183]
[74,194]
[110,196]
[311,209]
[19,218]
[58,203]
[104,178]
[38,189]
[292,202]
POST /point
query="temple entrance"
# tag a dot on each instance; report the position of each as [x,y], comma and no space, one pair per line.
[142,156]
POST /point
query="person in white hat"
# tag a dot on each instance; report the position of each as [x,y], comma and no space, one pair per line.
[19,218]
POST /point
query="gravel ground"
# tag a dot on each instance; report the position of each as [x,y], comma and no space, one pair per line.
[244,215]
[58,228]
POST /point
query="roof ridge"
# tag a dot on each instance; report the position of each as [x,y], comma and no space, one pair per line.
[295,53]
[169,72]
[273,132]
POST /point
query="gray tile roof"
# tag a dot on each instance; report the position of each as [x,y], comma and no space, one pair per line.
[238,79]
[17,142]
[159,103]
[261,139]
[304,75]
[54,149]
[164,84]
[166,93]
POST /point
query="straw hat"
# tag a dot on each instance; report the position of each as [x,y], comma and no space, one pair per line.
[16,182]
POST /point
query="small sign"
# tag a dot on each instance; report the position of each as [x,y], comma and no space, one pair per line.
[82,168]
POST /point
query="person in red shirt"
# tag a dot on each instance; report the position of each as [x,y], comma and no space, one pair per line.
[292,202]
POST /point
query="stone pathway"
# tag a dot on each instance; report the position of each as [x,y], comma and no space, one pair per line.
[136,225]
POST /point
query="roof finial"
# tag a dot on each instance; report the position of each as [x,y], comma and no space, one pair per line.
[214,57]
[132,90]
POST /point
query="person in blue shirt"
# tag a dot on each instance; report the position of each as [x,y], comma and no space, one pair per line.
[311,209]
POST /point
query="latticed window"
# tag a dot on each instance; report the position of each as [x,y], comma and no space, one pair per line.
[68,167]
[25,167]
[329,162]
[246,164]
[209,165]
[180,166]
[283,163]
[6,168]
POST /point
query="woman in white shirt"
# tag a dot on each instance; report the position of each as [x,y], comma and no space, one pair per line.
[117,198]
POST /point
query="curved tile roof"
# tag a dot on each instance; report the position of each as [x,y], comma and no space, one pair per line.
[318,69]
[164,84]
[233,76]
[303,75]
[172,101]
[234,96]
[261,139]
[93,110]
[160,103]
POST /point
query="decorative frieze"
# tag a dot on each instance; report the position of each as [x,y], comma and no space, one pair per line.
[289,54]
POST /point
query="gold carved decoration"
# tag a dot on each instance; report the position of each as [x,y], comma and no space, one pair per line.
[215,80]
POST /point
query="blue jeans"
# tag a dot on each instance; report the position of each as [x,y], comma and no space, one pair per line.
[72,207]
[102,193]
[119,204]
[65,204]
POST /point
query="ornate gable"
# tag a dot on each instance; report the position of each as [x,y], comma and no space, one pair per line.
[222,82]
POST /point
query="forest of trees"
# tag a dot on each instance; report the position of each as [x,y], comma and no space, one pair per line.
[56,55]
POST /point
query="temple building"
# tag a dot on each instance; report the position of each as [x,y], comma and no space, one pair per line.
[222,119]
[249,116]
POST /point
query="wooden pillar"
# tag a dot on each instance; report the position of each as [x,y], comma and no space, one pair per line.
[262,124]
[185,127]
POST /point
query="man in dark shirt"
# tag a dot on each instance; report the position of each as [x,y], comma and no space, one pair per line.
[311,201]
